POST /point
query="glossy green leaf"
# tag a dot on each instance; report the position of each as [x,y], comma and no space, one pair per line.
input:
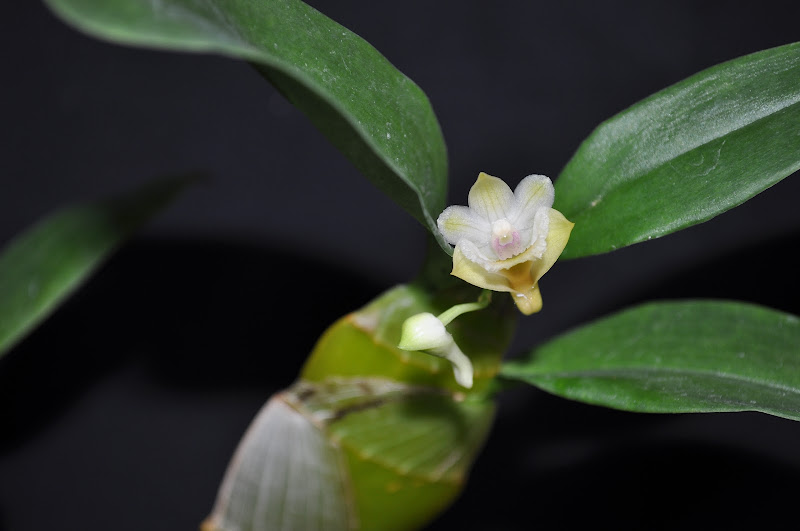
[685,154]
[42,266]
[676,357]
[368,109]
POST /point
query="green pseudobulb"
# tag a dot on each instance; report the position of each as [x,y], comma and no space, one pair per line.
[369,436]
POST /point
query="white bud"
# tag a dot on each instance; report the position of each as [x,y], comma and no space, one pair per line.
[424,331]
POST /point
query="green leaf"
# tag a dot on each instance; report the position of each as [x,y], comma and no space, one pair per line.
[44,265]
[357,453]
[368,109]
[676,357]
[685,154]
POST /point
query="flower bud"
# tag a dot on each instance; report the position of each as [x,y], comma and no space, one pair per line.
[425,332]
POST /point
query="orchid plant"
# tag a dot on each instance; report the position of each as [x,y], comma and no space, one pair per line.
[395,401]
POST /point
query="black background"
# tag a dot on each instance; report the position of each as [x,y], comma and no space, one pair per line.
[122,410]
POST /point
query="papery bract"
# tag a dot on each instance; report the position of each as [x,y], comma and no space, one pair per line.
[504,240]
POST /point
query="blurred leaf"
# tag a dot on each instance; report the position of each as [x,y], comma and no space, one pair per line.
[351,454]
[283,461]
[685,154]
[45,264]
[675,357]
[367,108]
[370,437]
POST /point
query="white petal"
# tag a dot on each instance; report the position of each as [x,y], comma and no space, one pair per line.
[533,193]
[459,222]
[491,198]
[557,237]
[539,232]
[483,256]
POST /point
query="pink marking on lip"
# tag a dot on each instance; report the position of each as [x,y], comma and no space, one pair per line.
[505,251]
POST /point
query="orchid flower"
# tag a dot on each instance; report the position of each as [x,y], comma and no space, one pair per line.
[504,240]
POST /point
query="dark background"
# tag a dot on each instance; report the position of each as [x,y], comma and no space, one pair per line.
[123,409]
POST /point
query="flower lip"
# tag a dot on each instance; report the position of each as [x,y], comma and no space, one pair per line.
[506,241]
